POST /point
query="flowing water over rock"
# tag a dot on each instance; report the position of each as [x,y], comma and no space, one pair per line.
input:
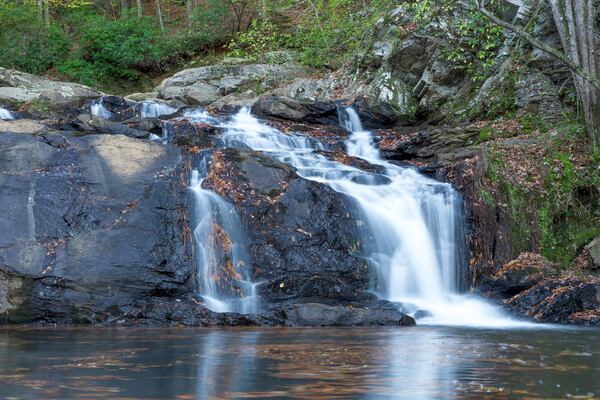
[415,237]
[98,109]
[221,251]
[151,109]
[6,114]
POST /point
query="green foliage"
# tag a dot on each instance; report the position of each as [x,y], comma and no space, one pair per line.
[120,47]
[261,37]
[471,41]
[552,219]
[209,24]
[25,43]
[332,31]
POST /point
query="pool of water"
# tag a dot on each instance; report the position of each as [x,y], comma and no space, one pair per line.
[366,363]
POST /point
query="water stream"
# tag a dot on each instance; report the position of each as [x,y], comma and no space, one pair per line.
[413,235]
[415,241]
[223,280]
[6,114]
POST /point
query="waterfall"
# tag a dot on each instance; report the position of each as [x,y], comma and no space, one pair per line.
[415,241]
[224,282]
[6,114]
[98,110]
[152,109]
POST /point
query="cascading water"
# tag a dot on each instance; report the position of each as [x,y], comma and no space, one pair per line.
[152,109]
[6,114]
[223,279]
[415,236]
[98,110]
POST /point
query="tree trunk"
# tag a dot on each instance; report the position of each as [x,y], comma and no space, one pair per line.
[46,12]
[159,14]
[40,10]
[124,7]
[139,8]
[189,6]
[575,22]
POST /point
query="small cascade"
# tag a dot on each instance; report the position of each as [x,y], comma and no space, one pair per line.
[98,110]
[223,262]
[199,116]
[415,241]
[152,109]
[6,114]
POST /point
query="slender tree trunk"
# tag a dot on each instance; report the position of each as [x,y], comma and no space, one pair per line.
[140,10]
[189,6]
[40,10]
[160,17]
[576,25]
[46,12]
[124,7]
[575,22]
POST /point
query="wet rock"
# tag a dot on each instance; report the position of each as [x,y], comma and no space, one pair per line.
[197,135]
[431,144]
[315,314]
[343,158]
[296,110]
[186,311]
[377,114]
[91,226]
[560,300]
[288,224]
[90,123]
[520,274]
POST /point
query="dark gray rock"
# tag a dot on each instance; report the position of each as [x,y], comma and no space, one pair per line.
[315,314]
[296,110]
[91,225]
[288,223]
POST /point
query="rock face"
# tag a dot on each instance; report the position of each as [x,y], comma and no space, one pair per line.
[18,87]
[296,110]
[91,225]
[532,287]
[288,223]
[225,84]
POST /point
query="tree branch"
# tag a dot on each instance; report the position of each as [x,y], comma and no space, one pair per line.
[536,43]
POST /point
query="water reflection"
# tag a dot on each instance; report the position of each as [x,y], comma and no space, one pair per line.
[379,363]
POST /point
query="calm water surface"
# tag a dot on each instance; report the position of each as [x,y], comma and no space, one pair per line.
[366,363]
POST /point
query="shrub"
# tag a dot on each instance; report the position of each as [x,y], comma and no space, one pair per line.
[119,48]
[263,36]
[26,44]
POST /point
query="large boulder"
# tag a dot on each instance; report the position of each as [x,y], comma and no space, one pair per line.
[19,87]
[91,225]
[206,85]
[296,110]
[289,224]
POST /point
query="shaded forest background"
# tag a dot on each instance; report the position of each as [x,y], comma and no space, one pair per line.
[107,43]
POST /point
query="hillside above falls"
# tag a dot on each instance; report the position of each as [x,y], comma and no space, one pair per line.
[96,228]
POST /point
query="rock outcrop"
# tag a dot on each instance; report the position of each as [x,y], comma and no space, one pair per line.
[220,85]
[288,225]
[18,88]
[91,225]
